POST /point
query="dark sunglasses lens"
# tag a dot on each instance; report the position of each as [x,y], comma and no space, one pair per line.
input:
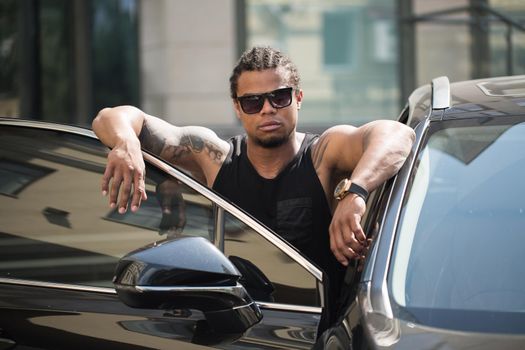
[281,98]
[251,104]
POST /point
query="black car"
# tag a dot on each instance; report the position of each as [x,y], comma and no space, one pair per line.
[445,270]
[190,270]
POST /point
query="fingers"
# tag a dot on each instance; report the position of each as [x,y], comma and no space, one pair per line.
[124,181]
[346,242]
[139,190]
[108,173]
[125,190]
[114,190]
[359,234]
[347,238]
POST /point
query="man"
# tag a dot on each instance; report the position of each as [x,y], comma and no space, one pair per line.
[284,178]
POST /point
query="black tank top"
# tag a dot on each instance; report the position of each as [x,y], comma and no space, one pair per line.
[293,204]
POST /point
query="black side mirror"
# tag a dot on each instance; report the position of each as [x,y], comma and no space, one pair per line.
[187,273]
[253,279]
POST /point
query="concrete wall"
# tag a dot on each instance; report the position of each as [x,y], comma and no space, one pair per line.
[187,50]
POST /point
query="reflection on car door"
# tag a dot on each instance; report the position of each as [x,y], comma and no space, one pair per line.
[60,243]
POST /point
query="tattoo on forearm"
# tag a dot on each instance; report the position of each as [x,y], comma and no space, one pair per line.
[319,152]
[214,152]
[194,144]
[174,153]
[150,141]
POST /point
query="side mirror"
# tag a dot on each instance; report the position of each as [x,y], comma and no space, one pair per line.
[187,273]
[253,279]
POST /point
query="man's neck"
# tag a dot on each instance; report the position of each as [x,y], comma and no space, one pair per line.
[270,161]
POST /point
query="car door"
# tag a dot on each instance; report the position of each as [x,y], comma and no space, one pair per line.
[60,243]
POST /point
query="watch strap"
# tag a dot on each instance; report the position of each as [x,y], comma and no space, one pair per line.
[346,186]
[360,191]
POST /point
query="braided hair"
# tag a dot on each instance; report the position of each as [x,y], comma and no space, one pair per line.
[261,58]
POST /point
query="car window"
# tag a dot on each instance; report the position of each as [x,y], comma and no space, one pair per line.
[461,231]
[55,226]
[268,273]
[372,221]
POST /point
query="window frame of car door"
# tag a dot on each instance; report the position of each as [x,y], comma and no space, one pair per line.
[220,206]
[373,287]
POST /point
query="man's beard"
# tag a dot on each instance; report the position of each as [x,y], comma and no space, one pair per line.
[273,141]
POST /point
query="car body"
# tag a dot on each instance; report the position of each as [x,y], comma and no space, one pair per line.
[443,270]
[67,260]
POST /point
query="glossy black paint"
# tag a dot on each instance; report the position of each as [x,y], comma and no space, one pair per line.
[371,319]
[43,313]
[187,272]
[163,314]
[55,318]
[184,261]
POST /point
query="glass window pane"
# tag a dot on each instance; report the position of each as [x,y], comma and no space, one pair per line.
[442,50]
[56,56]
[338,40]
[269,274]
[114,48]
[15,175]
[467,193]
[499,49]
[59,228]
[9,47]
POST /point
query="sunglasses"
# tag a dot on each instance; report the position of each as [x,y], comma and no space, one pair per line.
[279,98]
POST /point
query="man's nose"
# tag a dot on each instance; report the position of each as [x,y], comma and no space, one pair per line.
[267,107]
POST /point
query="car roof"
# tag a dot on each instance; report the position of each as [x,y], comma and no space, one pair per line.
[75,129]
[481,98]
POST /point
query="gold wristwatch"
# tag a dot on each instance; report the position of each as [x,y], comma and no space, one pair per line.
[346,186]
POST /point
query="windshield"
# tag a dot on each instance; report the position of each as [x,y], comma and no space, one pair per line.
[460,245]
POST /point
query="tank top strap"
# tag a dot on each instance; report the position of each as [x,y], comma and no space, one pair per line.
[309,140]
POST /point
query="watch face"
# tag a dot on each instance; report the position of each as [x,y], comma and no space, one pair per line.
[347,186]
[341,188]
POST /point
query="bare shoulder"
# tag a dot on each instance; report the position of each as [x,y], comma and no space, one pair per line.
[331,143]
[340,148]
[348,142]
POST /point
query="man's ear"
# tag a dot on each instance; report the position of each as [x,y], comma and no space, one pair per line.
[299,97]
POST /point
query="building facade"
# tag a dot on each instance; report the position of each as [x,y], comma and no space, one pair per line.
[63,60]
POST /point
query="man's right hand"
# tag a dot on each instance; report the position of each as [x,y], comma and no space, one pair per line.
[124,176]
[126,129]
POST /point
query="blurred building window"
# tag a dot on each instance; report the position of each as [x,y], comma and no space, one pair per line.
[55,53]
[62,60]
[8,63]
[17,175]
[467,39]
[345,52]
[341,25]
[114,48]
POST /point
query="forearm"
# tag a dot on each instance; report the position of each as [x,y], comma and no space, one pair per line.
[386,145]
[119,124]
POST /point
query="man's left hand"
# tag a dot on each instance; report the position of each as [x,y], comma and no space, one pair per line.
[347,239]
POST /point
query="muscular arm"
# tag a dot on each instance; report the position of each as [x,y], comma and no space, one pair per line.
[372,154]
[194,148]
[125,129]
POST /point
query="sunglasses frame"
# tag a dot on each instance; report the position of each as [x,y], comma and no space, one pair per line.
[266,96]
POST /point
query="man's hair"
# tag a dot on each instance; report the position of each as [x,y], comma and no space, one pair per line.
[261,58]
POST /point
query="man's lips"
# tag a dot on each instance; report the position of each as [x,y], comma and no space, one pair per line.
[269,126]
